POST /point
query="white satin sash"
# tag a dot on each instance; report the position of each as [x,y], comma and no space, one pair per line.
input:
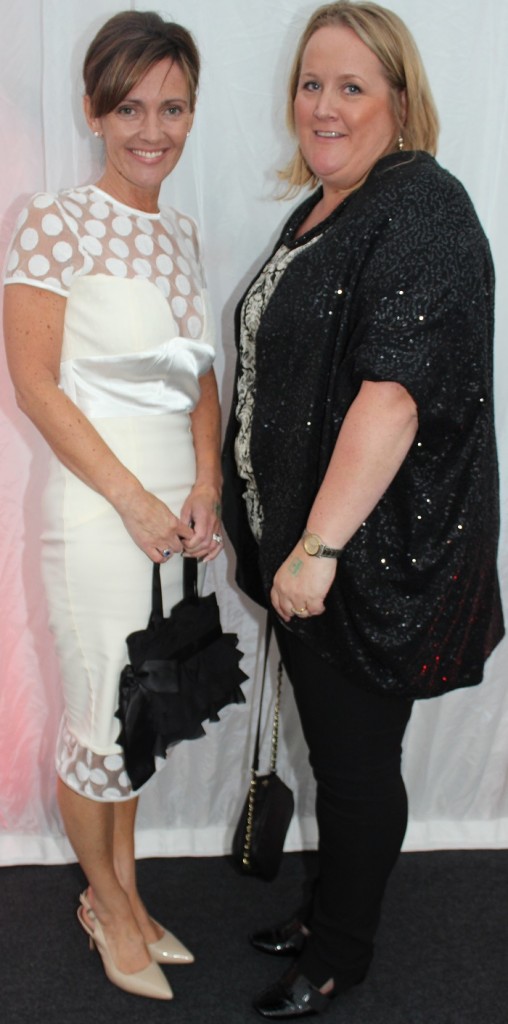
[160,380]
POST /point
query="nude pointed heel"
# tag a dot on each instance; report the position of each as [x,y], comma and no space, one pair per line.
[149,982]
[166,950]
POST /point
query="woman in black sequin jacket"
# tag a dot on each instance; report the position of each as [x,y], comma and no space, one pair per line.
[361,489]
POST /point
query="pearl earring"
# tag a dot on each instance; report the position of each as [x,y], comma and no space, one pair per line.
[98,135]
[400,142]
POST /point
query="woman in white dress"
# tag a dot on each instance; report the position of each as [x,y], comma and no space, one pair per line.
[110,350]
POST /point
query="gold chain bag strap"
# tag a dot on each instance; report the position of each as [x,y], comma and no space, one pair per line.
[258,841]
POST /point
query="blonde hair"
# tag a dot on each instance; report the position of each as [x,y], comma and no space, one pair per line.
[126,47]
[392,43]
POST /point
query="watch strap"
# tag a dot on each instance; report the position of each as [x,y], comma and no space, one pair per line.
[322,550]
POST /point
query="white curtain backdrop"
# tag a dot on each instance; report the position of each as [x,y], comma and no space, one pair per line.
[456,752]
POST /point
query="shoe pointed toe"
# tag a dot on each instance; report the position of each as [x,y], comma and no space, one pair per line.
[149,982]
[169,950]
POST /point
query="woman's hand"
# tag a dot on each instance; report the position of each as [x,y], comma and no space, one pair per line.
[202,511]
[301,584]
[153,526]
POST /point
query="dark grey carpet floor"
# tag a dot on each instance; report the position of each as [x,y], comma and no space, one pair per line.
[442,950]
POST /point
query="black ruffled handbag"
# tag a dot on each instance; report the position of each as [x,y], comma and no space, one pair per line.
[258,841]
[183,670]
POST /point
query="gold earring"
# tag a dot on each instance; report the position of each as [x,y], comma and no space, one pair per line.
[400,142]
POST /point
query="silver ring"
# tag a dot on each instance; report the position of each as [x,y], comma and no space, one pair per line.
[166,553]
[217,538]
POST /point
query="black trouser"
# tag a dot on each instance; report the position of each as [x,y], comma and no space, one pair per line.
[354,739]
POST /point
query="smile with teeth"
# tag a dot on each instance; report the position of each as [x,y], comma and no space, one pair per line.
[329,135]
[147,154]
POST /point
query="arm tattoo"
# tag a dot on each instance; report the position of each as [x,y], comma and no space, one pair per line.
[296,566]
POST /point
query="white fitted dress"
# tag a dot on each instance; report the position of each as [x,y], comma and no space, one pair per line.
[137,336]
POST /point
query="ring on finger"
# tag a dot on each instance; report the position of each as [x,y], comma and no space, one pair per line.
[166,552]
[300,611]
[217,537]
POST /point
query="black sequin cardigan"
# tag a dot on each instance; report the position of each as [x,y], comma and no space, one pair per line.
[398,286]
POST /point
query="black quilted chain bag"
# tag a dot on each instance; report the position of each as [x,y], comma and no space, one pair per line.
[258,841]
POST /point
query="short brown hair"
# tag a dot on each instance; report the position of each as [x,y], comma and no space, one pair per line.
[392,43]
[126,47]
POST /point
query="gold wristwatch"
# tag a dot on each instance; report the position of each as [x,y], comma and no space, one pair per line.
[313,545]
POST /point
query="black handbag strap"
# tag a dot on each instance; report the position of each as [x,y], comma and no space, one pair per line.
[157,609]
[275,723]
[190,585]
[190,578]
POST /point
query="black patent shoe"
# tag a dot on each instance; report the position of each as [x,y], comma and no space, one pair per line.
[287,939]
[292,996]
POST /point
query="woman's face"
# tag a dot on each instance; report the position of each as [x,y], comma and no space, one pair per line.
[343,109]
[144,135]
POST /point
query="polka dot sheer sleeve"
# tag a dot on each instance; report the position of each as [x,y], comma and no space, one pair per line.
[84,233]
[45,249]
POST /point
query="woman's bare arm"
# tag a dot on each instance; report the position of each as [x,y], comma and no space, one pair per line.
[202,507]
[374,440]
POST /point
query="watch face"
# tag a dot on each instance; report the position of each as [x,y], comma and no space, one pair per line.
[312,544]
